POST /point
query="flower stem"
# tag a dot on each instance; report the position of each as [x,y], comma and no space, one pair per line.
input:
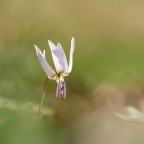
[42,96]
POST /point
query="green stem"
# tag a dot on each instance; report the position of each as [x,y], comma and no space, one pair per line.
[42,97]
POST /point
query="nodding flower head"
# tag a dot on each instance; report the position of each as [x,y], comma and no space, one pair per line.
[61,67]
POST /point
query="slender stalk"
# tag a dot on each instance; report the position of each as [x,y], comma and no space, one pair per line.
[42,96]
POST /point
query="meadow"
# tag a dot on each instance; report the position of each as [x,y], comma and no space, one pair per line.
[107,75]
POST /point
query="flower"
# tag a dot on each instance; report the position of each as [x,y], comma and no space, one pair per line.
[61,67]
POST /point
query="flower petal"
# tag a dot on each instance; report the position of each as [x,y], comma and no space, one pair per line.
[63,58]
[44,53]
[57,58]
[71,55]
[41,57]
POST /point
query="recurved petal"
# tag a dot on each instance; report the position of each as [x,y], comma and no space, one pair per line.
[45,66]
[71,55]
[57,58]
[72,45]
[63,58]
[44,53]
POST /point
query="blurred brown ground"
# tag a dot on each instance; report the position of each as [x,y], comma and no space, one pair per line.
[102,126]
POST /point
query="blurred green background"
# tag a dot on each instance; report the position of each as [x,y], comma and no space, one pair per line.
[108,57]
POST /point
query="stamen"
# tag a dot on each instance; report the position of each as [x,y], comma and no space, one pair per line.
[64,89]
[60,89]
[62,85]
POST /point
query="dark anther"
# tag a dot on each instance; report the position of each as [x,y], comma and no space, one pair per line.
[62,86]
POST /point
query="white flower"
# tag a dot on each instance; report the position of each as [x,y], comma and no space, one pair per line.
[61,67]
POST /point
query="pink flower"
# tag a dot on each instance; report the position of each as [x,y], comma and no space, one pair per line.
[61,67]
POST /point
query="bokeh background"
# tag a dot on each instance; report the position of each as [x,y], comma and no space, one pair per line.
[107,76]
